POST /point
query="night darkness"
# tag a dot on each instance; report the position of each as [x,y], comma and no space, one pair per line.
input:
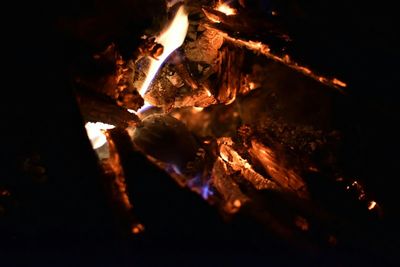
[67,221]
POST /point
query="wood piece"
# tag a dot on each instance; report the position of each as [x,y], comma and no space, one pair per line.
[230,191]
[201,97]
[283,176]
[115,182]
[182,70]
[98,108]
[109,75]
[167,139]
[230,73]
[246,26]
[234,160]
[205,48]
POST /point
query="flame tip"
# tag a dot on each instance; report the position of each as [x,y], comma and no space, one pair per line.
[170,38]
[225,8]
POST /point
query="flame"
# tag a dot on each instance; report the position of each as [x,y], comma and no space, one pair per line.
[141,110]
[95,132]
[171,38]
[201,186]
[226,9]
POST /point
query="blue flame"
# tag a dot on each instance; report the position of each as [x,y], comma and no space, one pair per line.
[198,183]
[202,187]
[173,169]
[176,169]
[144,108]
[206,191]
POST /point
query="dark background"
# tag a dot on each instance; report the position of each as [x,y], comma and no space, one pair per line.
[67,221]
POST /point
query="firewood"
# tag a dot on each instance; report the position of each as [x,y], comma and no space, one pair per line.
[98,108]
[167,139]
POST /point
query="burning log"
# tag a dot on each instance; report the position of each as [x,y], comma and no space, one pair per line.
[182,70]
[230,72]
[166,139]
[97,108]
[261,37]
[195,98]
[204,49]
[237,163]
[247,25]
[164,88]
[239,120]
[287,179]
[229,189]
[111,77]
[114,183]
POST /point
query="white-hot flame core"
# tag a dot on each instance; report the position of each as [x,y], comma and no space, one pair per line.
[144,108]
[171,38]
[226,9]
[95,133]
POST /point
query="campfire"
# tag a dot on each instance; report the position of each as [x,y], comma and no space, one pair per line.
[215,100]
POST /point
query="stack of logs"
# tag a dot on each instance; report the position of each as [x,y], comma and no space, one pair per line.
[265,125]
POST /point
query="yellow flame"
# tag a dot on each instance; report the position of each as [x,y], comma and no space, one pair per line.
[226,9]
[95,132]
[171,38]
[197,109]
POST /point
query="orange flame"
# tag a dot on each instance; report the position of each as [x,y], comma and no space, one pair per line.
[225,8]
[171,38]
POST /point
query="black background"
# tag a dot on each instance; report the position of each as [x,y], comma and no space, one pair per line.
[67,221]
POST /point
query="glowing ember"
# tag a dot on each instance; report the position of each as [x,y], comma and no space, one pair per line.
[137,228]
[197,109]
[371,205]
[252,85]
[171,38]
[338,82]
[237,203]
[95,132]
[283,176]
[224,8]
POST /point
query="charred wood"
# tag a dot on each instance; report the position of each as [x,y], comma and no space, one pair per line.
[247,26]
[111,76]
[98,108]
[167,139]
[229,76]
